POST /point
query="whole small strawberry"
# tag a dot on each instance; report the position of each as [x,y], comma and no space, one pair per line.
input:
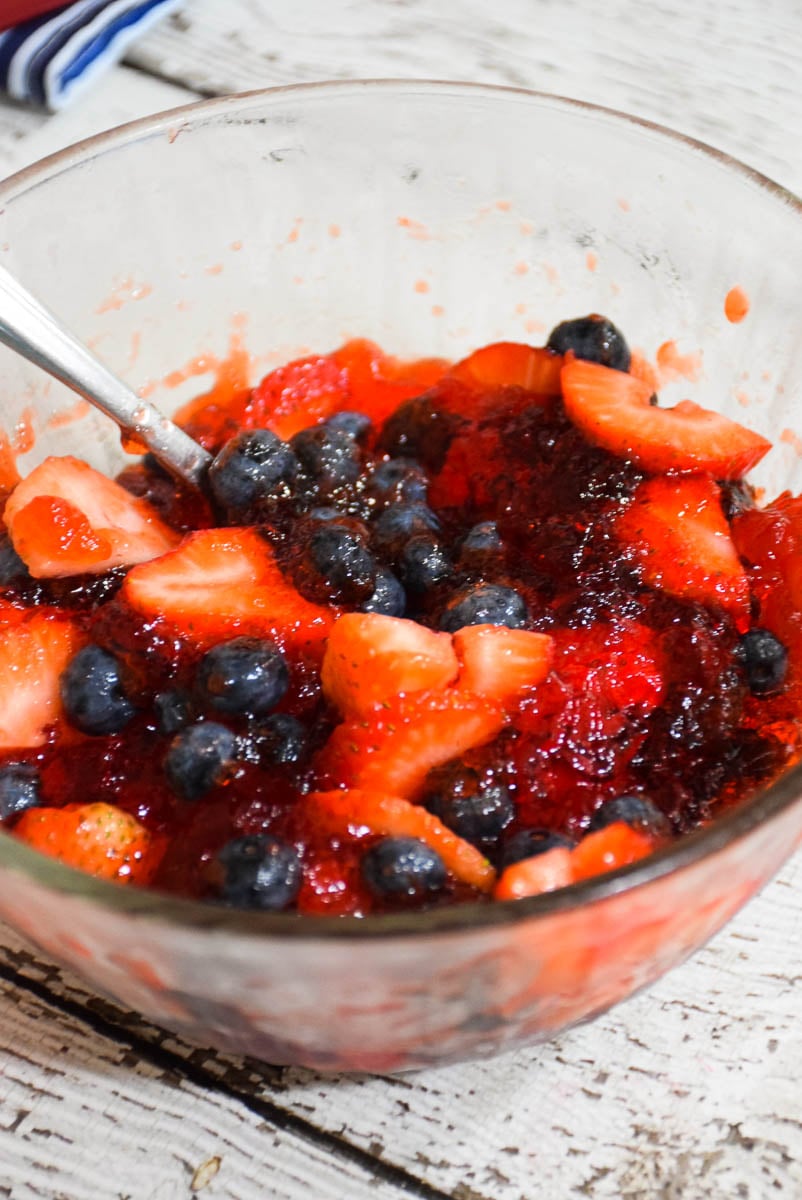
[97,838]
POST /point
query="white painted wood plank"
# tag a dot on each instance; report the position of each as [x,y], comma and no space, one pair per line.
[82,1117]
[728,74]
[687,1092]
[690,1090]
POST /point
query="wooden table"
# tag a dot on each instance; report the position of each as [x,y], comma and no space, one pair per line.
[691,1089]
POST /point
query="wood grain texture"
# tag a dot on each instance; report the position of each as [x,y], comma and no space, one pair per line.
[87,1117]
[687,1092]
[728,74]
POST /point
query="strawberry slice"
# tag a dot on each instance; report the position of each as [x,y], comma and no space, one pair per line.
[511,364]
[501,664]
[371,658]
[608,849]
[531,876]
[223,582]
[612,410]
[395,748]
[65,518]
[98,838]
[299,394]
[33,654]
[676,530]
[359,812]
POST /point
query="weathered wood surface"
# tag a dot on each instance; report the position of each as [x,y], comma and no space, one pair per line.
[726,73]
[688,1091]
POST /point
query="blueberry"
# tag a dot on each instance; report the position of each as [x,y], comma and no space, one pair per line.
[253,469]
[19,789]
[388,598]
[328,456]
[325,512]
[199,758]
[354,425]
[528,843]
[340,560]
[485,604]
[593,338]
[765,661]
[483,538]
[92,692]
[474,809]
[173,711]
[281,740]
[481,547]
[423,564]
[12,567]
[243,676]
[259,872]
[419,429]
[398,480]
[403,867]
[393,528]
[637,811]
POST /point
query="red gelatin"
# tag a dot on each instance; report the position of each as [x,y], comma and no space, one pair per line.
[551,601]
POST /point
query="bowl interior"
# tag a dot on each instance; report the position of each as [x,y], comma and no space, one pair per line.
[431,218]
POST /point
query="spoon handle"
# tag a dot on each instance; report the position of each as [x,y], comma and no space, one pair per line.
[30,330]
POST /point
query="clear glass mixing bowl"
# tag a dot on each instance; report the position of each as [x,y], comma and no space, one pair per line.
[432,218]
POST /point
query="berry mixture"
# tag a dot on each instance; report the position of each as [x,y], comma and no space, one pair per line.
[433,634]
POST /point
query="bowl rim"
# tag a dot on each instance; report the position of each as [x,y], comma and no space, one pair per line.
[155,906]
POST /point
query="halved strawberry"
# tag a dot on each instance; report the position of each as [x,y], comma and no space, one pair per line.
[371,659]
[511,364]
[33,654]
[299,394]
[608,849]
[531,876]
[676,530]
[360,812]
[222,582]
[65,518]
[395,747]
[97,838]
[612,410]
[502,664]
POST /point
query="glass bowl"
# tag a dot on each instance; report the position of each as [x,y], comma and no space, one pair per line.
[431,218]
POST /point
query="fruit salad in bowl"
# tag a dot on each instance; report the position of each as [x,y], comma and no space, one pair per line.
[462,632]
[464,693]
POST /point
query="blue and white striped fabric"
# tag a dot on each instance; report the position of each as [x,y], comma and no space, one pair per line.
[50,59]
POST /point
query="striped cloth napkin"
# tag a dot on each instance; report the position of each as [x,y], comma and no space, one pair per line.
[52,56]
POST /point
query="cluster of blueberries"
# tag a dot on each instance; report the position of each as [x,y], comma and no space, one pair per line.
[364,538]
[355,530]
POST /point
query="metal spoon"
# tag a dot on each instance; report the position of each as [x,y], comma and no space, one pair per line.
[30,330]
